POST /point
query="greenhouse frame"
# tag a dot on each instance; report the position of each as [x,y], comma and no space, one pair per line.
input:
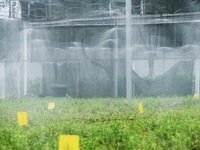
[76,48]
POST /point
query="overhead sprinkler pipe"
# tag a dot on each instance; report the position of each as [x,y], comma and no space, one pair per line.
[128,51]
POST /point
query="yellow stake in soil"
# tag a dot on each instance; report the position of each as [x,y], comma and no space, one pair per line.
[22,118]
[51,105]
[141,108]
[196,96]
[68,142]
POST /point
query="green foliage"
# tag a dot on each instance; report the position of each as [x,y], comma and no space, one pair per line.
[167,123]
[171,6]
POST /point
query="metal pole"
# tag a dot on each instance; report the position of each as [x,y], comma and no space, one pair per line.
[128,52]
[116,64]
[77,79]
[4,80]
[197,76]
[10,9]
[4,70]
[19,80]
[29,10]
[49,10]
[141,7]
[25,61]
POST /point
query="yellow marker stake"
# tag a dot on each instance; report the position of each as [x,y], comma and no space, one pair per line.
[68,142]
[22,118]
[196,96]
[51,105]
[141,108]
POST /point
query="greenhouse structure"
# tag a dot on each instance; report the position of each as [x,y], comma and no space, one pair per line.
[79,48]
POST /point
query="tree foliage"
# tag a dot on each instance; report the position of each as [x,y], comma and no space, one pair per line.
[56,10]
[171,6]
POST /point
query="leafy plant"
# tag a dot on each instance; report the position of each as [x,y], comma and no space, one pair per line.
[167,123]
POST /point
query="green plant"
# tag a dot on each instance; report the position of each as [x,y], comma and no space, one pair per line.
[167,123]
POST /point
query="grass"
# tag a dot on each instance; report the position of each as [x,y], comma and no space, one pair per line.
[102,124]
